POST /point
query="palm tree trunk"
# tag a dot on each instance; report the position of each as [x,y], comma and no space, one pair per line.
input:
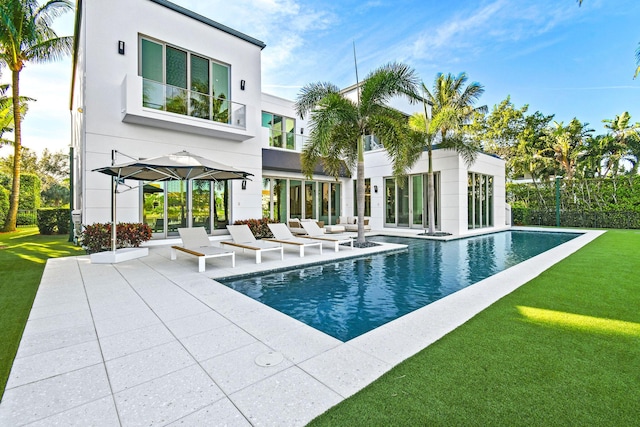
[360,190]
[12,215]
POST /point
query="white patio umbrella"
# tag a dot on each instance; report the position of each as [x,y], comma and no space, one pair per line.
[177,166]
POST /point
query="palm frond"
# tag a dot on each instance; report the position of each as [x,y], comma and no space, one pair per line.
[311,94]
[50,50]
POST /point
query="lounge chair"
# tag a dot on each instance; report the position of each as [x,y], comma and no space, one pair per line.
[196,242]
[314,232]
[244,238]
[283,235]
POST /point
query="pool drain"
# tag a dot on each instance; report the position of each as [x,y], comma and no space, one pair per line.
[270,358]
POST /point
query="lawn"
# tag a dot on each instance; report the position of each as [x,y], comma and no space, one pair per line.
[564,349]
[23,255]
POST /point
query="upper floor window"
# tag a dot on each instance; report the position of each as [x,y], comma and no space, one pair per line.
[281,130]
[183,82]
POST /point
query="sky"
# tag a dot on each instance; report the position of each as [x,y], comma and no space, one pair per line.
[553,55]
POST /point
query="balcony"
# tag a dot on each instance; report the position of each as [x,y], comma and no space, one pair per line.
[151,103]
[288,141]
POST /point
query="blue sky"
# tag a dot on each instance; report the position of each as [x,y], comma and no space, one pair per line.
[551,54]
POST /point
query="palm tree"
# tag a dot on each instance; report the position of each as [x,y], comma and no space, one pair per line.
[340,124]
[623,135]
[26,36]
[568,143]
[452,111]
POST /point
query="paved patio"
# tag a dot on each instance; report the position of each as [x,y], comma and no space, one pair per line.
[153,342]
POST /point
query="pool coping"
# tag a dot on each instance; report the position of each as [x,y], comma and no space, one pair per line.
[316,373]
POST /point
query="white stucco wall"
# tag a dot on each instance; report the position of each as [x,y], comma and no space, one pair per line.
[453,186]
[105,69]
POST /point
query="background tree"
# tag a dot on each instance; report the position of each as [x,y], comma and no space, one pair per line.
[567,143]
[26,35]
[52,168]
[340,124]
[618,146]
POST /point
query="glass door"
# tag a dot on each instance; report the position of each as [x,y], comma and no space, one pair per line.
[390,195]
[176,206]
[153,208]
[403,202]
[201,204]
[417,201]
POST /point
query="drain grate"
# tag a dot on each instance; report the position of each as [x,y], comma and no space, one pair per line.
[270,358]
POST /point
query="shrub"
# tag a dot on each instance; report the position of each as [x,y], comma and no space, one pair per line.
[29,192]
[4,204]
[53,221]
[258,227]
[97,237]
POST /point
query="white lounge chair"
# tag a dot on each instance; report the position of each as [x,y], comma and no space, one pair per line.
[314,232]
[244,238]
[282,234]
[196,242]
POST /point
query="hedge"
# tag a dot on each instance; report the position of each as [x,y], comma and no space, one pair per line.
[582,219]
[597,203]
[4,204]
[53,220]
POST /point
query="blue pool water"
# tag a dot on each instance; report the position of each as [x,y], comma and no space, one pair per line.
[348,298]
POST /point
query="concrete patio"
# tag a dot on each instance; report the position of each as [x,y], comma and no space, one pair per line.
[153,342]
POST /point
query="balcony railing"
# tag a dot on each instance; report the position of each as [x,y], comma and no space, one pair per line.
[163,97]
[289,140]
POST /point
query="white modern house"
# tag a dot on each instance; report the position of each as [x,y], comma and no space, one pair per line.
[161,79]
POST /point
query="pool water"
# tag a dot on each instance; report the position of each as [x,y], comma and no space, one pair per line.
[350,297]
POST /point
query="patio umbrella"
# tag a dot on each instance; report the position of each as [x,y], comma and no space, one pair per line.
[177,166]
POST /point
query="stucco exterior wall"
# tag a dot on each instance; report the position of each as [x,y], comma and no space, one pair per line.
[106,71]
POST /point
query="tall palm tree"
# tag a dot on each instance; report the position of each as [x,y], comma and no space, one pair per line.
[452,110]
[568,143]
[340,124]
[26,36]
[624,135]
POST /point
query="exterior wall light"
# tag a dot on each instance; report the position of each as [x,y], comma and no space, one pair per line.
[244,184]
[121,47]
[242,84]
[375,188]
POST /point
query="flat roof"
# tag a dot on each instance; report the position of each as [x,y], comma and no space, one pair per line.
[210,22]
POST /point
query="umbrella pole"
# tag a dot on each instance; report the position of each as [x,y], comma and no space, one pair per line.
[113,213]
[114,188]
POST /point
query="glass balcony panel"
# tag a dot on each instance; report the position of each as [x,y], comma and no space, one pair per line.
[159,96]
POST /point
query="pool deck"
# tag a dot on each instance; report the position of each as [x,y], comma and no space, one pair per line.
[153,342]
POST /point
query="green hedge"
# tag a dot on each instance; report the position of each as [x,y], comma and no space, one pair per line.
[582,219]
[53,221]
[29,192]
[598,203]
[4,204]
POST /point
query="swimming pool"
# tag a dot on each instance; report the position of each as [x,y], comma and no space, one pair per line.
[350,297]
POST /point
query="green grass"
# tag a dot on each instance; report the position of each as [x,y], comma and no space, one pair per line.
[23,255]
[564,349]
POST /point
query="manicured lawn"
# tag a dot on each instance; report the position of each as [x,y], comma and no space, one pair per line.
[563,349]
[23,255]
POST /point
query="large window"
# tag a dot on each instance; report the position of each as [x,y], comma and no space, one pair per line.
[293,198]
[168,205]
[183,82]
[407,201]
[281,130]
[479,200]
